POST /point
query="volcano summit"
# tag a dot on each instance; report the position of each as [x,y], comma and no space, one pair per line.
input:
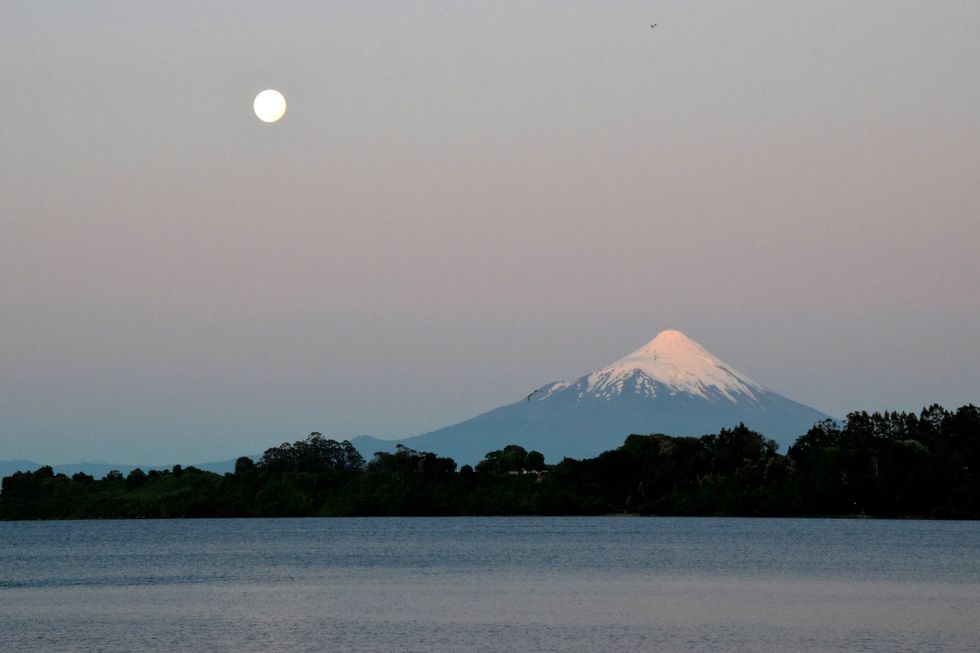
[671,385]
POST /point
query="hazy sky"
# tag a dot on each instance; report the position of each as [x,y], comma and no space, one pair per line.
[465,201]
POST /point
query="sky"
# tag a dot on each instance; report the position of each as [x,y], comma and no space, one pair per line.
[465,201]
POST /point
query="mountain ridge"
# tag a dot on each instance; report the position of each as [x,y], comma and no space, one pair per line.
[99,469]
[671,385]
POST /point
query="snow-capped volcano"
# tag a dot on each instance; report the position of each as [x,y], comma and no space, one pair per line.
[671,385]
[671,362]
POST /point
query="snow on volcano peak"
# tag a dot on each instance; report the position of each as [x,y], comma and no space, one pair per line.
[677,362]
[671,385]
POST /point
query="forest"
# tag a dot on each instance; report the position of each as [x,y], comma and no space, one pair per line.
[891,464]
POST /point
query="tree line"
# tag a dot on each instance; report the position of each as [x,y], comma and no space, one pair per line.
[891,464]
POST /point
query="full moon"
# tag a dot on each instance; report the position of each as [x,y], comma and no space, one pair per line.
[269,105]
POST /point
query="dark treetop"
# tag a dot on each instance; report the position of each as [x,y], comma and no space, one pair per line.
[883,464]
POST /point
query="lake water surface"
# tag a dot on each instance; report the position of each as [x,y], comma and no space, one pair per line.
[490,584]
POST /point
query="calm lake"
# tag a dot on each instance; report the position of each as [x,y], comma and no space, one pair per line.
[490,584]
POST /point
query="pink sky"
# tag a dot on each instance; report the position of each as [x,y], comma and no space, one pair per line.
[463,204]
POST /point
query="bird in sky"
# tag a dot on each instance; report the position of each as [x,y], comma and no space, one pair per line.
[654,25]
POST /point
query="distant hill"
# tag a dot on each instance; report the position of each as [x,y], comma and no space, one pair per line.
[8,467]
[671,385]
[99,470]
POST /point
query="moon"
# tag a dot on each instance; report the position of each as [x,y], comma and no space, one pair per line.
[269,105]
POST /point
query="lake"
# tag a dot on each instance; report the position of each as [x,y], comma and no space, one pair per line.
[490,584]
